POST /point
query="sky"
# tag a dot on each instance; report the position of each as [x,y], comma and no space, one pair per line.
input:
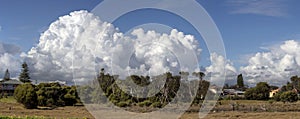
[260,36]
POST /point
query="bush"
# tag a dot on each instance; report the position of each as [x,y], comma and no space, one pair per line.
[260,92]
[146,103]
[122,104]
[289,96]
[50,102]
[70,99]
[26,95]
[277,96]
[157,105]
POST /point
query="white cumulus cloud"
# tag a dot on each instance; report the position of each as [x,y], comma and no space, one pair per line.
[275,66]
[220,68]
[82,42]
[8,59]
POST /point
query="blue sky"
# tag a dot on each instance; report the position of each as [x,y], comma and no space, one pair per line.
[247,26]
[246,32]
[243,32]
[23,21]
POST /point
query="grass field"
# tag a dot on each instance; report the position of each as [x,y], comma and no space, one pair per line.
[8,100]
[10,109]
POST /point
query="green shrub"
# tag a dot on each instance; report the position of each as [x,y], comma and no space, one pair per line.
[122,104]
[289,96]
[157,105]
[50,102]
[146,103]
[26,95]
[277,96]
[70,99]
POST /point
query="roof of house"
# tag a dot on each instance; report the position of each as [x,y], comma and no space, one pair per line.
[12,81]
[276,90]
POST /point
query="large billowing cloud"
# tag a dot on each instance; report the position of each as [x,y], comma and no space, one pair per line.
[275,66]
[83,43]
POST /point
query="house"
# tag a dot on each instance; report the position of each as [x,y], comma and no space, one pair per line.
[232,92]
[8,86]
[215,89]
[273,92]
[295,90]
[63,83]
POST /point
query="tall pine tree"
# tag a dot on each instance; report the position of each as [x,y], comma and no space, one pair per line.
[240,81]
[6,75]
[24,75]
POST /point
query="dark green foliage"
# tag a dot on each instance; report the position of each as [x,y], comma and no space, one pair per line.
[117,96]
[145,103]
[53,94]
[46,94]
[289,92]
[140,80]
[26,95]
[156,104]
[200,75]
[277,96]
[202,90]
[260,92]
[123,104]
[273,87]
[70,98]
[6,75]
[24,75]
[288,96]
[287,87]
[240,81]
[295,82]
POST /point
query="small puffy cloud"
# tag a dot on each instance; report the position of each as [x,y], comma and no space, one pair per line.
[274,8]
[0,28]
[82,43]
[275,66]
[220,68]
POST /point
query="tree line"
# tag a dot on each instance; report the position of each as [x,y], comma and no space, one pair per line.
[53,94]
[287,93]
[108,87]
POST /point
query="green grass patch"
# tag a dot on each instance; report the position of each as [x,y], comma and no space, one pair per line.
[9,99]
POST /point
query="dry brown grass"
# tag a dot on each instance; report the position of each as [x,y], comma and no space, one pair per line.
[15,109]
[245,115]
